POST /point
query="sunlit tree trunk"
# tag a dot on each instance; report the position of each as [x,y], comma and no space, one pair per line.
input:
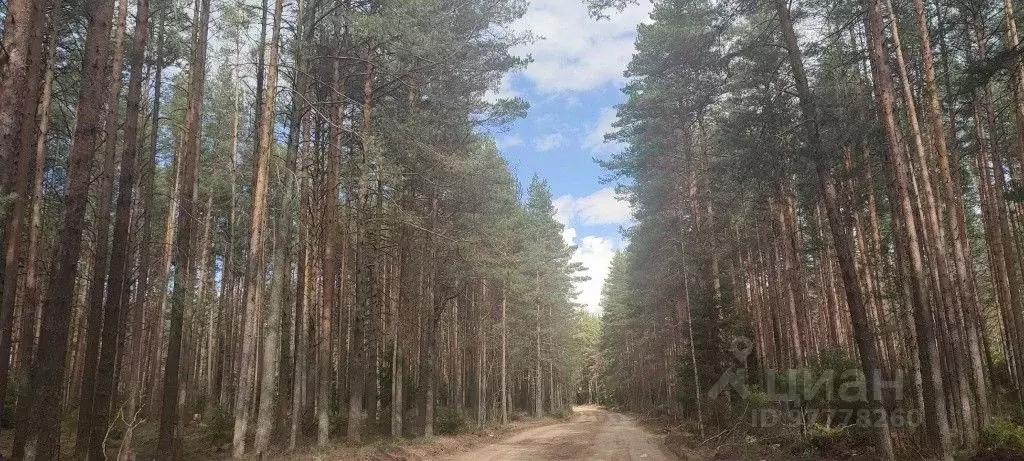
[255,273]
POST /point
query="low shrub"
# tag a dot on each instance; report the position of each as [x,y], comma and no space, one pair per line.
[337,422]
[562,413]
[450,421]
[1003,434]
[833,442]
[218,429]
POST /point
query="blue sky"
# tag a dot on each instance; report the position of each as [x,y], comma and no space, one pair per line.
[573,86]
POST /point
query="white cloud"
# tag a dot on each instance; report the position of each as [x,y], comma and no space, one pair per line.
[601,207]
[543,119]
[550,142]
[576,52]
[595,253]
[569,235]
[509,141]
[594,141]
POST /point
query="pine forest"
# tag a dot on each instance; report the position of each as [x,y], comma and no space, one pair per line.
[294,229]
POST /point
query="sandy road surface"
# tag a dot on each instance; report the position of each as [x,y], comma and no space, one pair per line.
[593,434]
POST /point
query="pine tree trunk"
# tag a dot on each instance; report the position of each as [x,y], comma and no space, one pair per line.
[538,387]
[358,363]
[22,21]
[693,355]
[255,274]
[1010,266]
[142,337]
[935,413]
[397,402]
[271,369]
[301,318]
[958,242]
[504,354]
[325,363]
[31,298]
[47,374]
[159,306]
[1016,75]
[842,241]
[23,43]
[184,280]
[118,290]
[930,209]
[31,320]
[1004,293]
[435,310]
[148,349]
[794,274]
[23,307]
[101,256]
[861,253]
[482,311]
[280,260]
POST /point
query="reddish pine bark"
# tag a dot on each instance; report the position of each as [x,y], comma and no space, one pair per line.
[47,374]
[118,290]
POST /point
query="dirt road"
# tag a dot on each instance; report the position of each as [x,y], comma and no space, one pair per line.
[593,434]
